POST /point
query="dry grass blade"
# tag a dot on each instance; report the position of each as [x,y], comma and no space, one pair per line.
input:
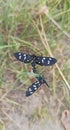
[44,10]
[10,118]
[47,47]
[2,126]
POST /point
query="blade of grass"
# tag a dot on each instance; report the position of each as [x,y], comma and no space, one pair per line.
[2,126]
[6,46]
[47,47]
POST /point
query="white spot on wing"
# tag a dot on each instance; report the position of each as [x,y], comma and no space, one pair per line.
[19,56]
[19,53]
[31,92]
[48,62]
[24,54]
[35,88]
[30,89]
[37,82]
[24,58]
[50,58]
[44,58]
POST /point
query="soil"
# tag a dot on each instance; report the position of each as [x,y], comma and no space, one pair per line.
[41,111]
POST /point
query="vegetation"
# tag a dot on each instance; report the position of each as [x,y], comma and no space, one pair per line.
[28,28]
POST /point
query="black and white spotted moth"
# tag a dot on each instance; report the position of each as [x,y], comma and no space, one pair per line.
[33,59]
[36,85]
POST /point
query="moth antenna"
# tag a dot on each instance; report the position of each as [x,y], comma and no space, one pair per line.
[47,84]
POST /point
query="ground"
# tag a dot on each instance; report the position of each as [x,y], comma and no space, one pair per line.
[42,110]
[39,111]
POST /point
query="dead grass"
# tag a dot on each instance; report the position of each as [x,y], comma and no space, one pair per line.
[35,29]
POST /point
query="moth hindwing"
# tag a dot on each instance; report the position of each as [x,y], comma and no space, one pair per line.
[45,61]
[35,86]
